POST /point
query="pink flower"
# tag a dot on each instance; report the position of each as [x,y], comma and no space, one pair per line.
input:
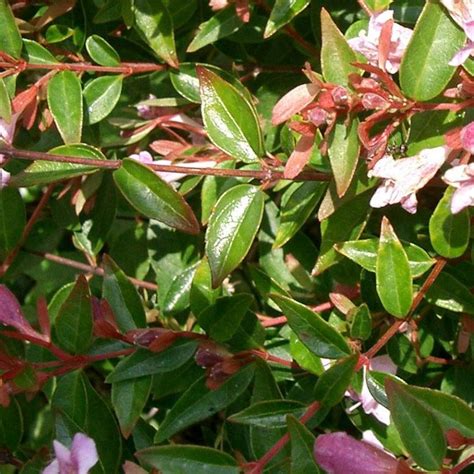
[218,4]
[462,12]
[467,138]
[4,177]
[385,53]
[7,132]
[78,460]
[461,177]
[339,453]
[404,177]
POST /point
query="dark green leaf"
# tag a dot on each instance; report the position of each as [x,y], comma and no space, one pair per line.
[302,443]
[425,72]
[232,229]
[101,96]
[361,325]
[230,119]
[101,51]
[122,297]
[199,403]
[153,197]
[177,296]
[12,220]
[70,397]
[65,104]
[313,331]
[392,272]
[73,324]
[282,13]
[449,233]
[11,424]
[202,294]
[419,430]
[10,38]
[183,459]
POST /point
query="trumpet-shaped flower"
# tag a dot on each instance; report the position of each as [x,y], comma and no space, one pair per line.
[461,177]
[462,12]
[384,43]
[78,460]
[404,177]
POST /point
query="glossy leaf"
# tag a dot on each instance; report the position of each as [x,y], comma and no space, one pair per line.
[361,322]
[188,458]
[297,204]
[177,296]
[232,229]
[122,297]
[73,324]
[420,432]
[153,197]
[128,399]
[424,71]
[392,271]
[449,233]
[219,26]
[223,318]
[12,220]
[302,443]
[268,414]
[101,96]
[44,172]
[336,54]
[282,13]
[333,383]
[343,154]
[364,253]
[313,331]
[143,362]
[230,119]
[202,294]
[5,104]
[199,403]
[10,38]
[101,51]
[65,104]
[154,23]
[35,53]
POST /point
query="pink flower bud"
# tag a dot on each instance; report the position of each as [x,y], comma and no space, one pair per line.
[340,96]
[467,138]
[372,101]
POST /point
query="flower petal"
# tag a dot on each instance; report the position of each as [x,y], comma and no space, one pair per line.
[83,453]
[467,137]
[463,54]
[463,197]
[63,456]
[52,468]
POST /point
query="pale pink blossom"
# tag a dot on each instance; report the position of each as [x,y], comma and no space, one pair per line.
[368,43]
[4,177]
[461,177]
[467,138]
[404,177]
[462,12]
[7,132]
[146,158]
[339,453]
[218,4]
[78,460]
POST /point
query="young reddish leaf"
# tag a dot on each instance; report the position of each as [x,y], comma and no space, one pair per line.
[294,101]
[299,157]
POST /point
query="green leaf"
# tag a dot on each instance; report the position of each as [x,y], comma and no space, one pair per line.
[223,24]
[268,414]
[298,202]
[101,96]
[392,272]
[101,51]
[304,357]
[65,104]
[424,71]
[177,296]
[282,13]
[313,331]
[420,432]
[343,154]
[12,220]
[11,425]
[5,104]
[70,397]
[10,38]
[143,362]
[302,443]
[346,223]
[199,403]
[128,399]
[34,53]
[361,324]
[331,386]
[153,197]
[183,459]
[449,293]
[202,294]
[73,325]
[232,229]
[230,119]
[378,5]
[364,253]
[336,54]
[154,23]
[44,172]
[122,297]
[222,319]
[449,233]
